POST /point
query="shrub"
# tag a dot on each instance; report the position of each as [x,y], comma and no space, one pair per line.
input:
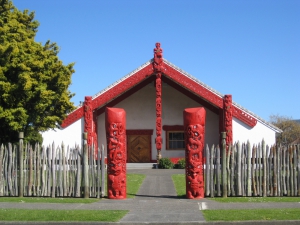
[165,163]
[180,164]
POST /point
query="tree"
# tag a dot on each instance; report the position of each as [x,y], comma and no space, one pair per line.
[34,83]
[290,128]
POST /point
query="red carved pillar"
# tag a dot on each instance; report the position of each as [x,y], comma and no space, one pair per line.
[221,124]
[115,123]
[194,126]
[88,119]
[227,106]
[158,67]
[95,137]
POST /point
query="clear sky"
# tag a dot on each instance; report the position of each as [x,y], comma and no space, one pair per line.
[250,49]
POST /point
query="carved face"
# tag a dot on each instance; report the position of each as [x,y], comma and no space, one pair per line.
[115,129]
[195,131]
[194,168]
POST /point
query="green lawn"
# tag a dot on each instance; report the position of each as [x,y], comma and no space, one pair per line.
[257,199]
[61,215]
[134,182]
[179,183]
[251,214]
[48,200]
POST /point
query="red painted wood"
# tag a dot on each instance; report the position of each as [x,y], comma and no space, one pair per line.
[191,95]
[88,119]
[123,86]
[192,86]
[115,123]
[173,127]
[158,66]
[228,119]
[194,124]
[73,117]
[111,94]
[244,117]
[95,135]
[139,132]
[208,98]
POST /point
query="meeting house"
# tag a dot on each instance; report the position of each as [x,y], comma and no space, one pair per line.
[154,97]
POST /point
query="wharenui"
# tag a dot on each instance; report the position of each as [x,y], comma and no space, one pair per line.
[154,97]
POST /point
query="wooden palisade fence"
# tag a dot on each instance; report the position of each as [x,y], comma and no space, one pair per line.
[257,170]
[51,171]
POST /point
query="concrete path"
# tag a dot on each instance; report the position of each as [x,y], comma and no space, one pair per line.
[156,203]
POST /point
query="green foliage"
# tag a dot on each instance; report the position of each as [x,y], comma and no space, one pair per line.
[180,164]
[290,129]
[34,83]
[165,163]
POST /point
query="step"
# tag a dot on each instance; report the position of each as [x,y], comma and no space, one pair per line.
[140,165]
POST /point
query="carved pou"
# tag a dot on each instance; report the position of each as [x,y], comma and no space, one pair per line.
[115,123]
[194,126]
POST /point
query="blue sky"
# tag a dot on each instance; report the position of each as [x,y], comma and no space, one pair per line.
[250,49]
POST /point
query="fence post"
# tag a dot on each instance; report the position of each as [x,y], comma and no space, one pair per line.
[21,175]
[102,172]
[249,193]
[224,175]
[85,166]
[264,168]
[239,169]
[207,171]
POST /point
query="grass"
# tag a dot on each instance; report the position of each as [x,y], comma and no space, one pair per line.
[61,215]
[134,182]
[47,200]
[257,199]
[251,214]
[179,183]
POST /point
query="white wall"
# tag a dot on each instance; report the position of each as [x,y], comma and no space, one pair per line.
[70,136]
[141,114]
[243,133]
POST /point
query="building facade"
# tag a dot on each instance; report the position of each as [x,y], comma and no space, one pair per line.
[154,97]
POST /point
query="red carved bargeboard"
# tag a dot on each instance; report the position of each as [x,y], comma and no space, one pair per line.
[206,94]
[228,119]
[95,136]
[194,126]
[115,123]
[158,65]
[244,117]
[110,94]
[73,117]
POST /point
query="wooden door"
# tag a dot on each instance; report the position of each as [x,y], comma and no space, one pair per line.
[139,147]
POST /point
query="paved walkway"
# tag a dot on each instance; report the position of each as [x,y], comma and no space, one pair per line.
[156,202]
